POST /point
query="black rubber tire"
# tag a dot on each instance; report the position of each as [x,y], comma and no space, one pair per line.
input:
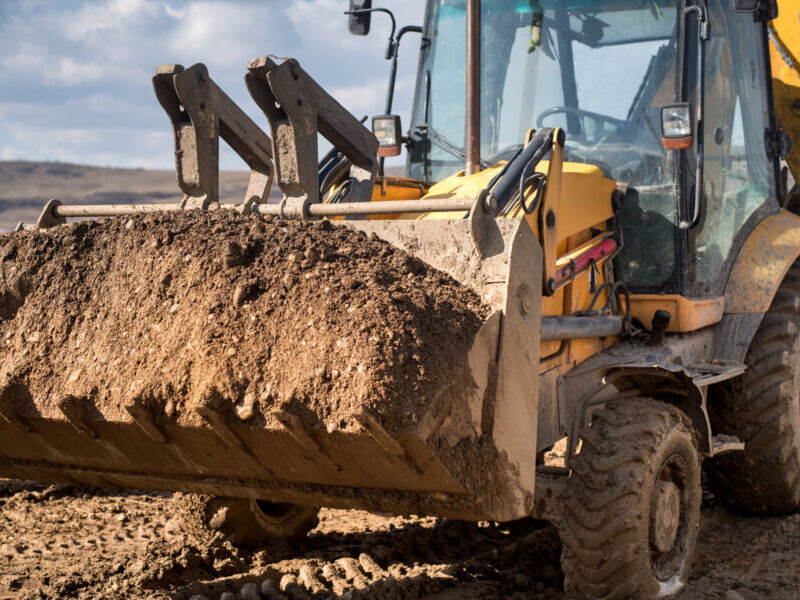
[762,409]
[633,453]
[244,522]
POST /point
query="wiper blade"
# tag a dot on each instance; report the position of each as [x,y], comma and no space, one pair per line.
[447,145]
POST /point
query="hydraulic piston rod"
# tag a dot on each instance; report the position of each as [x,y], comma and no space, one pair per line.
[573,328]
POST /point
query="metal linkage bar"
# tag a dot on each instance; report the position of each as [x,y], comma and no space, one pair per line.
[111,210]
[201,113]
[389,207]
[55,213]
[297,108]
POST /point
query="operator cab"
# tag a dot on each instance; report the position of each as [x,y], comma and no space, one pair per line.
[602,70]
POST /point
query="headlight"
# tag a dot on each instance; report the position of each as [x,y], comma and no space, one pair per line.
[676,126]
[387,129]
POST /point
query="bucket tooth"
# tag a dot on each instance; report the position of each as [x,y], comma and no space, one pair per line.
[380,435]
[142,414]
[76,410]
[295,428]
[206,405]
[8,408]
[299,432]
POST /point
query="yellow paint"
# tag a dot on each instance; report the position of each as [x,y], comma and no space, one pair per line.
[687,315]
[551,233]
[581,202]
[785,59]
[397,188]
[585,192]
[460,186]
[585,199]
[388,188]
[763,262]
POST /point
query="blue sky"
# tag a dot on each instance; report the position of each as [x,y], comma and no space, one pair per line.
[75,74]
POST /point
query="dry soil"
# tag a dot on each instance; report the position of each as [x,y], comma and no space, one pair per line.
[65,542]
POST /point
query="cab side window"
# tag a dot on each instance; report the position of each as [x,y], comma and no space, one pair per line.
[739,176]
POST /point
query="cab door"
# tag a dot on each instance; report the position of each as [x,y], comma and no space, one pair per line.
[740,175]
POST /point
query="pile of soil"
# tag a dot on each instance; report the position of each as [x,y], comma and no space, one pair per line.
[264,313]
[71,543]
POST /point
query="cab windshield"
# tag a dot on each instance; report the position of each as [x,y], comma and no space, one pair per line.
[598,69]
[601,70]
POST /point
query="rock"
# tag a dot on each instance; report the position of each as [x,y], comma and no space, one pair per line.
[293,590]
[246,410]
[323,225]
[270,591]
[733,595]
[312,255]
[198,597]
[227,596]
[247,291]
[235,255]
[369,565]
[308,577]
[249,591]
[239,295]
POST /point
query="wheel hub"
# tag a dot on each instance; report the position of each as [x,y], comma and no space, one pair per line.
[666,515]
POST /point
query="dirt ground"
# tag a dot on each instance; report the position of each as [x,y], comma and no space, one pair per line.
[65,542]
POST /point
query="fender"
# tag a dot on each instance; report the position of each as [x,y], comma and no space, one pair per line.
[770,249]
[679,371]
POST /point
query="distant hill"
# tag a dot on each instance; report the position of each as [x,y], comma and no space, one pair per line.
[26,186]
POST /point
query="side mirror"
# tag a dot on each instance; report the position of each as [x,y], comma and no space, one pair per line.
[676,126]
[360,16]
[388,130]
[744,6]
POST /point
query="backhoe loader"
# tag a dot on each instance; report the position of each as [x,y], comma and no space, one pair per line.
[606,176]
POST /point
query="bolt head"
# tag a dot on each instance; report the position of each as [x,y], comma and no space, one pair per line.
[490,202]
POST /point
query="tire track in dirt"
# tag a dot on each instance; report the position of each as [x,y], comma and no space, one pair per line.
[65,542]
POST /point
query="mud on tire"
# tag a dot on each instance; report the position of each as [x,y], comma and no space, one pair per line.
[245,522]
[632,504]
[762,408]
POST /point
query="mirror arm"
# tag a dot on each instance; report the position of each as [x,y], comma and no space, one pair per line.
[699,192]
[393,50]
[394,44]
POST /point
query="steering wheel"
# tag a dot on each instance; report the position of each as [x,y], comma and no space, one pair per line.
[569,110]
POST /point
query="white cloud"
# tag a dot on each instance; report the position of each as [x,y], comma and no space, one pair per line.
[360,99]
[72,72]
[29,57]
[75,74]
[321,23]
[115,15]
[219,33]
[174,12]
[147,149]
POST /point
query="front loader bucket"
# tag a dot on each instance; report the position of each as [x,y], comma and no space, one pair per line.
[135,380]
